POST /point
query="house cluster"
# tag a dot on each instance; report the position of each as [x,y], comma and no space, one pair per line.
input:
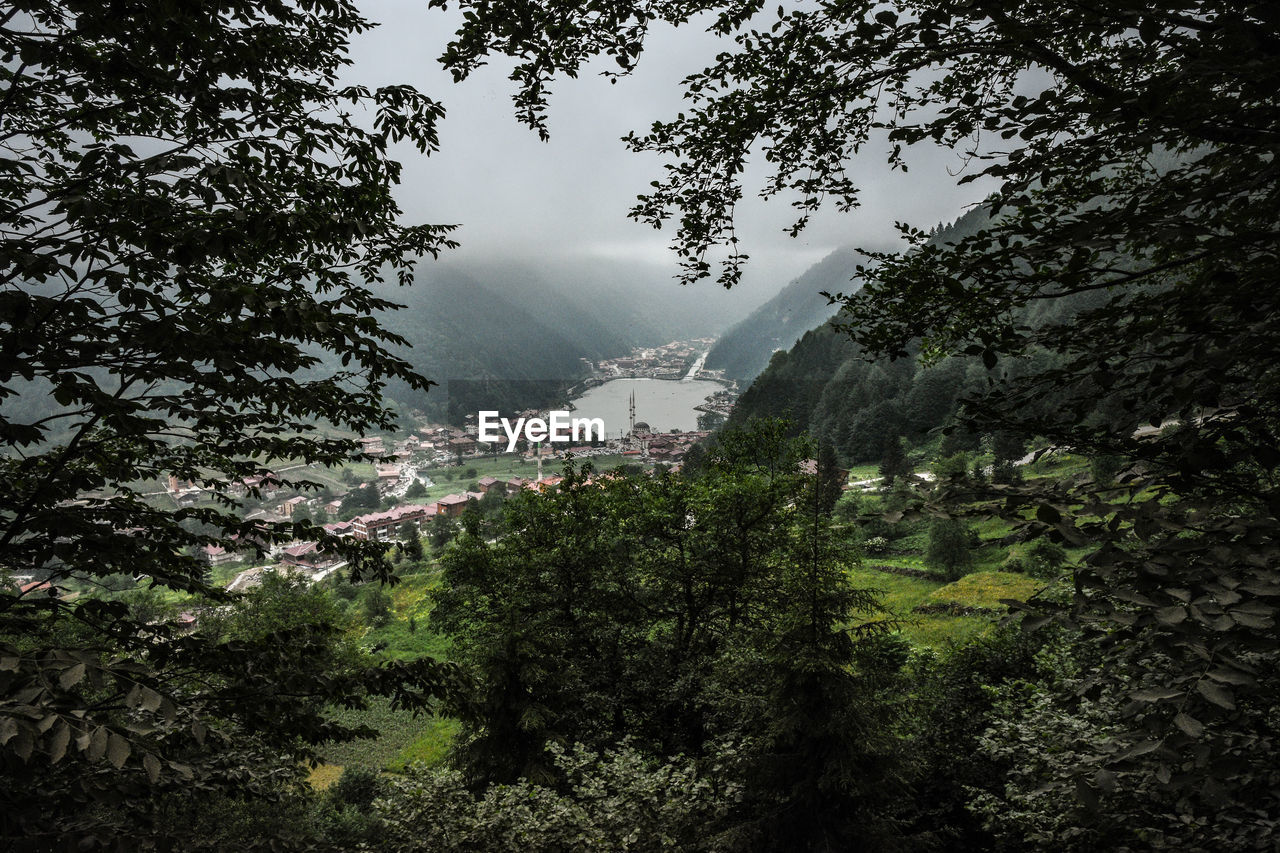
[187,492]
[660,446]
[399,451]
[387,524]
[437,443]
[669,361]
[719,403]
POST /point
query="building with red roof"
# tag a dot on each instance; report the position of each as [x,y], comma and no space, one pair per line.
[379,526]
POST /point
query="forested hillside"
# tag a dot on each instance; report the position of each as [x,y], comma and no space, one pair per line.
[459,328]
[745,349]
[825,385]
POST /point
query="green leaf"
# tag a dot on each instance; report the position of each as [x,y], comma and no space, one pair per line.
[151,700]
[71,676]
[22,744]
[1139,749]
[1086,795]
[97,746]
[1189,725]
[1231,676]
[1216,694]
[118,750]
[58,741]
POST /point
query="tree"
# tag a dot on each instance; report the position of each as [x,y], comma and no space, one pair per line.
[948,548]
[410,541]
[955,466]
[1007,448]
[361,497]
[377,605]
[894,464]
[1104,468]
[194,233]
[849,507]
[1045,559]
[1131,241]
[442,530]
[621,800]
[829,480]
[416,490]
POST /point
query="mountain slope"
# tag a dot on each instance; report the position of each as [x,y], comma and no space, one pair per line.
[825,387]
[745,349]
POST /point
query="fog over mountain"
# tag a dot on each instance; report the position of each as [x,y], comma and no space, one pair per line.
[745,349]
[565,201]
[503,320]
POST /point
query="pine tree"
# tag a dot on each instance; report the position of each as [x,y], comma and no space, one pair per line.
[894,463]
[828,482]
[410,541]
[948,549]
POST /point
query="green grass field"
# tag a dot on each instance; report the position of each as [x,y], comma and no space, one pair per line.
[864,472]
[404,737]
[986,589]
[901,595]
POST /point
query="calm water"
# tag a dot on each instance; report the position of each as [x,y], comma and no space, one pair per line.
[664,404]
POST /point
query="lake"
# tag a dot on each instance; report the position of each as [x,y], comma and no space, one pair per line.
[664,404]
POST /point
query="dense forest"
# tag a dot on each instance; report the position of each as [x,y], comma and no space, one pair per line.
[952,646]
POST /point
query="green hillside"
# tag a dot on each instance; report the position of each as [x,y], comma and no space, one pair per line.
[745,349]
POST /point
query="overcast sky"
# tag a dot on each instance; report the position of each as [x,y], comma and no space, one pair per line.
[517,196]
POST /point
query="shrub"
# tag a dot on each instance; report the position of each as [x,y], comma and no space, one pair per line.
[377,606]
[949,547]
[357,786]
[1045,559]
[955,466]
[876,545]
[1014,563]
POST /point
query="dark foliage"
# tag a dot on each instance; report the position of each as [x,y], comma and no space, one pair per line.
[703,617]
[1128,272]
[191,221]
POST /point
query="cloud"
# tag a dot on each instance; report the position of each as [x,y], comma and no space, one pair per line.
[519,197]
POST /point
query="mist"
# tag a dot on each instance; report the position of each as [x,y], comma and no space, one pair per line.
[564,203]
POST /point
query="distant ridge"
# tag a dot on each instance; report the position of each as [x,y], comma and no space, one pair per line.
[744,351]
